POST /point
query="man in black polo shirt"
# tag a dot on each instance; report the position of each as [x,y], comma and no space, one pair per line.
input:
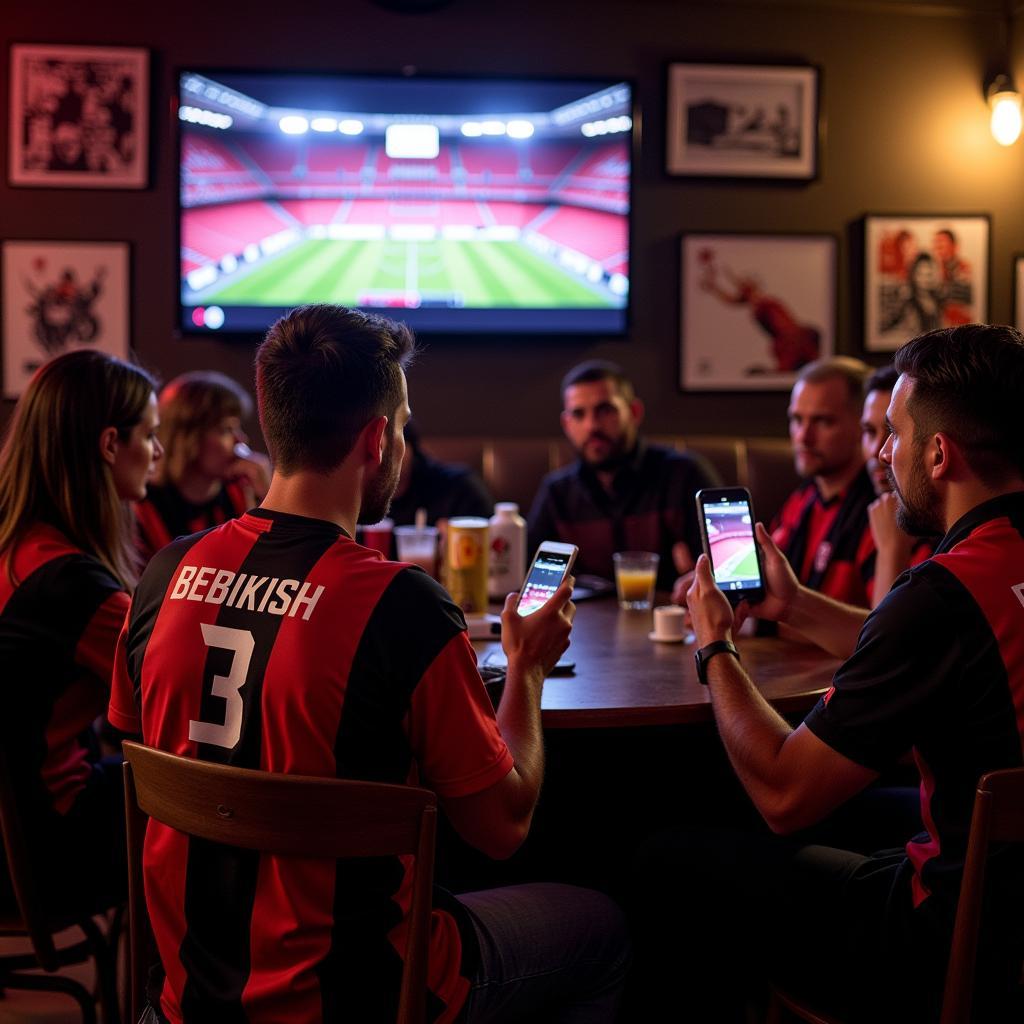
[937,670]
[622,494]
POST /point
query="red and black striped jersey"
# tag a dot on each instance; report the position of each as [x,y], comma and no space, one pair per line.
[829,543]
[939,670]
[276,642]
[164,514]
[60,616]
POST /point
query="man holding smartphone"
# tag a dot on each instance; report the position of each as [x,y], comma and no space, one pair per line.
[276,642]
[937,670]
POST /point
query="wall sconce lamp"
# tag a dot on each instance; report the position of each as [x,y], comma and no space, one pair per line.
[1005,103]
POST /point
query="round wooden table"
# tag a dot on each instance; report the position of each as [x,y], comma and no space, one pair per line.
[622,678]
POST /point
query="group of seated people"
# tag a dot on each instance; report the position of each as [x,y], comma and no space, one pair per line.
[161,577]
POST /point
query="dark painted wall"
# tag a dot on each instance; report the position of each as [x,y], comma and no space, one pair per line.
[904,129]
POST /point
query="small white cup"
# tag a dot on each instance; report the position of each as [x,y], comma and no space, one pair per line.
[669,623]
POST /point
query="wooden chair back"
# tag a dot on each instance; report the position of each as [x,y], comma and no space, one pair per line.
[282,814]
[998,818]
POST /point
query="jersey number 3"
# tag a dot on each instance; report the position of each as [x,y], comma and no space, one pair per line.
[241,643]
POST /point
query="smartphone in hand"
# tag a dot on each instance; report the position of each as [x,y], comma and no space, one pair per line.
[552,563]
[726,519]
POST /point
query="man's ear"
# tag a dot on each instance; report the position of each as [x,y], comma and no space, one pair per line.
[373,439]
[564,420]
[938,456]
[109,443]
[637,410]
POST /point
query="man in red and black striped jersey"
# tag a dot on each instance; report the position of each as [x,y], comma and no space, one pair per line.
[822,528]
[276,642]
[936,670]
[622,493]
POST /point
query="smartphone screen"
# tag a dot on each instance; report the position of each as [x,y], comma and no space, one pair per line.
[729,530]
[546,574]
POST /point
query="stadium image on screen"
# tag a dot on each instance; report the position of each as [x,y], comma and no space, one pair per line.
[732,547]
[458,205]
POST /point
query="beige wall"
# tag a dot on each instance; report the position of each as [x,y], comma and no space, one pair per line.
[904,129]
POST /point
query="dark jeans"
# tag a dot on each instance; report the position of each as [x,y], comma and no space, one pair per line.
[548,953]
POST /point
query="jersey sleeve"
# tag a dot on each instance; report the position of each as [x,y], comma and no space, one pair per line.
[881,696]
[123,712]
[452,729]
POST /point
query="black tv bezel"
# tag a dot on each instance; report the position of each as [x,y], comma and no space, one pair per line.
[186,331]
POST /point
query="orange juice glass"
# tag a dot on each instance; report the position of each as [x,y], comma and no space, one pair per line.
[635,573]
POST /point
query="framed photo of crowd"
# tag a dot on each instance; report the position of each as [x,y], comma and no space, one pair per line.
[923,272]
[742,121]
[60,296]
[79,116]
[755,309]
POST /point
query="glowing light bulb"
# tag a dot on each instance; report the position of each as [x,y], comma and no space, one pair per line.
[1006,117]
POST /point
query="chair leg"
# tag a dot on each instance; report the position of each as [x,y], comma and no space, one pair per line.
[105,959]
[774,1014]
[55,983]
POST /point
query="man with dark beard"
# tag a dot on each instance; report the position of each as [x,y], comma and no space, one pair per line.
[276,642]
[937,670]
[621,494]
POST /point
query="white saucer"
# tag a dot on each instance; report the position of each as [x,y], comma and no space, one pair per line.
[665,639]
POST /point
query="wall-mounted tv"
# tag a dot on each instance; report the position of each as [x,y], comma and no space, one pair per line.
[460,205]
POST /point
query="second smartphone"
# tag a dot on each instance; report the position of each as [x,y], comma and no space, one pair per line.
[726,519]
[552,563]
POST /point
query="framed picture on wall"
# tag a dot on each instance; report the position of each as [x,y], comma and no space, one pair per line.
[1018,291]
[79,116]
[742,121]
[59,296]
[755,309]
[922,272]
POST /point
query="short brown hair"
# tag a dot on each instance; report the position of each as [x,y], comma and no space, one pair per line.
[322,373]
[599,369]
[190,405]
[967,383]
[852,372]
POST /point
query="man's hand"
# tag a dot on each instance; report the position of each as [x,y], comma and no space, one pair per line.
[884,529]
[540,639]
[252,469]
[709,608]
[780,582]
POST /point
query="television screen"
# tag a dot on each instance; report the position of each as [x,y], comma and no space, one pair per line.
[457,205]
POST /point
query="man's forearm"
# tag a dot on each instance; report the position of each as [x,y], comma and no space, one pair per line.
[519,720]
[752,732]
[830,624]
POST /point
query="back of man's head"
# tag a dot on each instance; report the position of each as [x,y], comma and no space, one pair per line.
[599,369]
[322,373]
[968,383]
[852,372]
[883,379]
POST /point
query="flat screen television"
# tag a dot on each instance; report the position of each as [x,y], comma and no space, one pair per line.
[460,205]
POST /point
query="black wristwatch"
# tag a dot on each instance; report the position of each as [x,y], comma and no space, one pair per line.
[705,654]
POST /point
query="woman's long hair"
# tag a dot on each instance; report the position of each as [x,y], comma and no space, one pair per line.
[189,406]
[51,469]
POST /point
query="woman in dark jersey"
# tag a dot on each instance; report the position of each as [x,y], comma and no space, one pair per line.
[82,444]
[208,475]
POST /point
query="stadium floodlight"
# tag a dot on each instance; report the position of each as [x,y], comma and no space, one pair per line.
[472,129]
[519,129]
[350,126]
[412,141]
[197,115]
[293,124]
[324,124]
[492,128]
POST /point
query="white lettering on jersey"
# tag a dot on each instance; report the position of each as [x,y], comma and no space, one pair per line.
[241,642]
[1019,591]
[269,594]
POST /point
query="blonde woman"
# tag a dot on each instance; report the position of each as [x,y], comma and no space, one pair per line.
[208,475]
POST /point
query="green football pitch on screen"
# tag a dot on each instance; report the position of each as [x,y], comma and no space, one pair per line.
[481,273]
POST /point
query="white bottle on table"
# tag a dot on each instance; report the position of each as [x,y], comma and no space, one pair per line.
[508,550]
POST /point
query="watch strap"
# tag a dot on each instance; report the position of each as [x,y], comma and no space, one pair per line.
[706,653]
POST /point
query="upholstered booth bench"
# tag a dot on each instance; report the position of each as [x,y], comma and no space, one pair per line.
[512,468]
